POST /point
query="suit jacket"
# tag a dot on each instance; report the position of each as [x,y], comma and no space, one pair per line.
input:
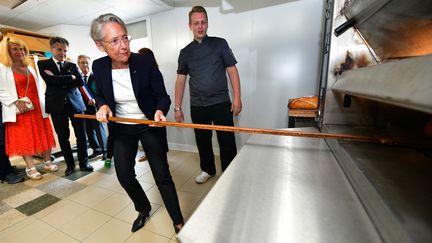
[61,86]
[147,83]
[91,85]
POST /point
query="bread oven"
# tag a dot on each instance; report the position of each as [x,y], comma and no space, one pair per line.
[291,189]
[377,80]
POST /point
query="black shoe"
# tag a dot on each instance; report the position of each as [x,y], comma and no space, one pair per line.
[177,229]
[139,221]
[12,178]
[94,154]
[86,167]
[69,170]
[104,157]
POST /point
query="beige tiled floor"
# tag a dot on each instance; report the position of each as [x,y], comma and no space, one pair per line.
[97,209]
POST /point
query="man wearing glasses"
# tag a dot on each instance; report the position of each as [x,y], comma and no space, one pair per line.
[96,134]
[63,100]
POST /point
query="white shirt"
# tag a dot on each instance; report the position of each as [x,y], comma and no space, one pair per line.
[85,77]
[126,103]
[57,64]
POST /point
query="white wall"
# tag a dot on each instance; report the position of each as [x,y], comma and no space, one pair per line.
[276,43]
[277,48]
[79,39]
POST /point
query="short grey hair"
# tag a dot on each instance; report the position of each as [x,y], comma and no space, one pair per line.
[83,56]
[96,29]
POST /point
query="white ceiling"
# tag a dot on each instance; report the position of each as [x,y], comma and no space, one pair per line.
[35,15]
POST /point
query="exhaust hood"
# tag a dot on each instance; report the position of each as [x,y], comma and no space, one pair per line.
[392,28]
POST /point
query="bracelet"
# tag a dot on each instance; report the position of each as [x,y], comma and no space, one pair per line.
[177,109]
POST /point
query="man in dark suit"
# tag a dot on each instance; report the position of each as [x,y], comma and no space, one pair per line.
[63,100]
[95,130]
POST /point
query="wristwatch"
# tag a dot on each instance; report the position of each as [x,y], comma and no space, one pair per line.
[177,109]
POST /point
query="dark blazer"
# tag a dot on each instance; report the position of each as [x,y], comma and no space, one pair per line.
[91,85]
[60,86]
[147,83]
[2,132]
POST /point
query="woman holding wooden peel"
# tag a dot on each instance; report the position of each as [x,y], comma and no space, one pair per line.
[130,85]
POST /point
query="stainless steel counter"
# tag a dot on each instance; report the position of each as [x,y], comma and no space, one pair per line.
[281,189]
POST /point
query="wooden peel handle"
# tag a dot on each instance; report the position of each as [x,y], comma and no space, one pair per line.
[241,129]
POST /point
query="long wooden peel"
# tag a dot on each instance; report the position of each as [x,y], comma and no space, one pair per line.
[244,129]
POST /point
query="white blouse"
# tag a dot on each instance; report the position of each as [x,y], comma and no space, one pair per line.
[8,93]
[126,103]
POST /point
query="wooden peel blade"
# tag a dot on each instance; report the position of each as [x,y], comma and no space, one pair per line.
[349,137]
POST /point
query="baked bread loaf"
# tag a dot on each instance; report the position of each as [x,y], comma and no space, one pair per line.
[304,102]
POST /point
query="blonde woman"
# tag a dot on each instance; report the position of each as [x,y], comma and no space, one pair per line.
[30,132]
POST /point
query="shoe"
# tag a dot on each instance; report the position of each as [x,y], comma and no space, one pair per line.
[176,230]
[203,177]
[69,170]
[94,154]
[86,167]
[33,174]
[139,221]
[104,156]
[107,163]
[48,166]
[12,178]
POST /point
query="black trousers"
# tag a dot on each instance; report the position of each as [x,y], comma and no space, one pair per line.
[110,141]
[96,135]
[125,150]
[61,126]
[219,114]
[5,165]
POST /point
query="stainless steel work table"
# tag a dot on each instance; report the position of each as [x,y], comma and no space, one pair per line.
[281,189]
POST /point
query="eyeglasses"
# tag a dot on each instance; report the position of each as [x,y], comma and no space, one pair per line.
[116,41]
[20,49]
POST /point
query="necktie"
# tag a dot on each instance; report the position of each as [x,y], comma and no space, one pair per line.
[85,79]
[61,66]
